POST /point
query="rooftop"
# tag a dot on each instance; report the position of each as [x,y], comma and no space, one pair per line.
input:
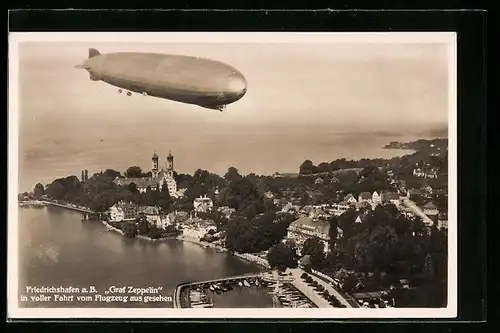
[307,223]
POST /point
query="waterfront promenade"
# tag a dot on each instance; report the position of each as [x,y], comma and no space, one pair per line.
[70,206]
[245,256]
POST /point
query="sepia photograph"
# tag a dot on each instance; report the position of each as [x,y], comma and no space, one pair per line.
[232,175]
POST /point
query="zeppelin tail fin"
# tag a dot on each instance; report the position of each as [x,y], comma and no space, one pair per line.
[93,53]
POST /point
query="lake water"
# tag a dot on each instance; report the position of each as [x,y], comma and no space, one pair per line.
[57,249]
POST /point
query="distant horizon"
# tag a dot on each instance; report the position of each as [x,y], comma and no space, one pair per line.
[162,166]
[317,101]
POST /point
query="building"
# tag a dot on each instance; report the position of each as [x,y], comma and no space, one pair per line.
[290,208]
[363,206]
[304,228]
[350,199]
[390,197]
[157,180]
[376,198]
[203,204]
[123,211]
[317,213]
[443,220]
[268,194]
[306,210]
[365,196]
[430,209]
[428,189]
[423,173]
[152,214]
[338,209]
[318,181]
[226,211]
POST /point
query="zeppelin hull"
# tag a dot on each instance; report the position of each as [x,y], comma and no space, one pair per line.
[184,79]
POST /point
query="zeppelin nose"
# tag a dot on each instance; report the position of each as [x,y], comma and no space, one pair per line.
[237,85]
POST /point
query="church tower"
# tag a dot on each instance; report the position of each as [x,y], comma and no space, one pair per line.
[170,165]
[154,167]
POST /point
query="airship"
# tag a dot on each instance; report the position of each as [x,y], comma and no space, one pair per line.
[186,79]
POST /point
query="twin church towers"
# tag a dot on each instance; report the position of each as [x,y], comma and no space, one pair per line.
[155,167]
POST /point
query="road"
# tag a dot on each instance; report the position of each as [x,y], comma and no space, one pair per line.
[417,211]
[307,290]
[297,272]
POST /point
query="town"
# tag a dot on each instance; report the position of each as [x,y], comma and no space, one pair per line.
[371,232]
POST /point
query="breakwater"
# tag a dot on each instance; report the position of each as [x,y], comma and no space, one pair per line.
[178,290]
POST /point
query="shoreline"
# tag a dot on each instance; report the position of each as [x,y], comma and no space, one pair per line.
[111,228]
[244,256]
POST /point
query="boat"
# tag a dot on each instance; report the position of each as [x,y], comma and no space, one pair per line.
[245,282]
[212,287]
[257,283]
[240,284]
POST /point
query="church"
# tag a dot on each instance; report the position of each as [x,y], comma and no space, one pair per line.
[157,179]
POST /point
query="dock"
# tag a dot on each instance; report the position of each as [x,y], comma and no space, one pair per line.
[232,279]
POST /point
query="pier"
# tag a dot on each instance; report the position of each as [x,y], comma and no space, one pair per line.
[86,213]
[72,207]
[179,288]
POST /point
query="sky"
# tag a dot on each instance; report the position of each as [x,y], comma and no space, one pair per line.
[296,83]
[317,101]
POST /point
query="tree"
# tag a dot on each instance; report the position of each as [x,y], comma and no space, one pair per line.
[324,167]
[307,168]
[129,230]
[349,284]
[38,191]
[142,226]
[315,248]
[367,171]
[56,191]
[133,172]
[428,266]
[333,232]
[282,256]
[232,174]
[164,199]
[154,232]
[132,187]
[305,199]
[112,173]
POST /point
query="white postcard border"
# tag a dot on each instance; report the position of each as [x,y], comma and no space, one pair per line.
[15,312]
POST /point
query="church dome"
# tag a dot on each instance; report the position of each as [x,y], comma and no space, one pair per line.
[170,156]
[155,157]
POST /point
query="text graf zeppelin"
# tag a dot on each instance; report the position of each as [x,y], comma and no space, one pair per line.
[90,294]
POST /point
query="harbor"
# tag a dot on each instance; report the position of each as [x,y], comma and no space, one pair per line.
[279,291]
